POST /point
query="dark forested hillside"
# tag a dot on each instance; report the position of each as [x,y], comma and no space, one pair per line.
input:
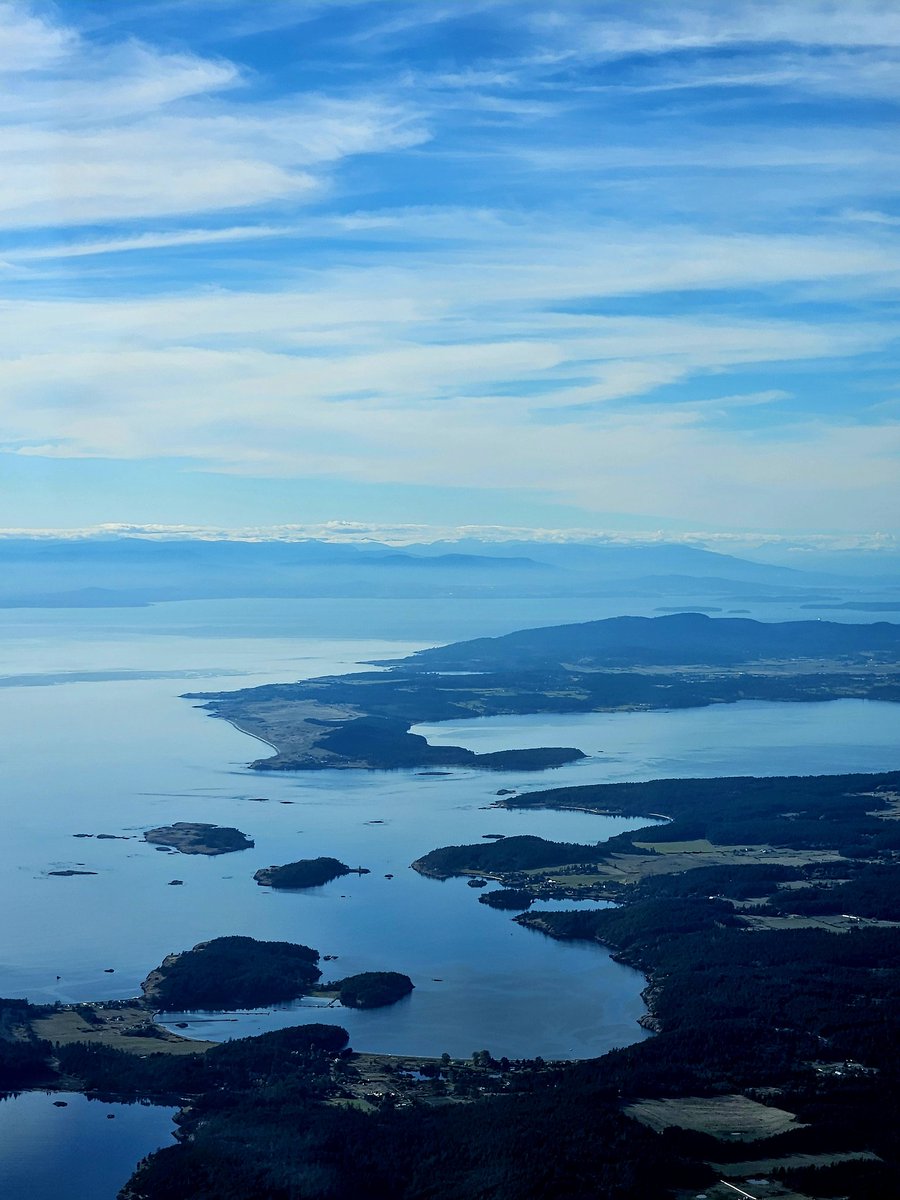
[232,972]
[847,813]
[682,639]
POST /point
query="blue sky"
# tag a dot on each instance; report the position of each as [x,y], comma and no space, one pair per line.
[605,265]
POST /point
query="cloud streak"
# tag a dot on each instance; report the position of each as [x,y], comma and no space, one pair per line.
[591,253]
[131,132]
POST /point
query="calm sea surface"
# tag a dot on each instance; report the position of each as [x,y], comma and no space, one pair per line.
[97,741]
[84,1151]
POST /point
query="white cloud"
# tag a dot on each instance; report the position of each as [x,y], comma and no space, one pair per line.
[129,132]
[446,345]
[186,164]
[386,374]
[392,409]
[111,86]
[397,534]
[75,180]
[868,217]
[659,27]
[28,42]
[742,400]
[819,47]
[736,149]
[148,241]
[414,334]
[868,71]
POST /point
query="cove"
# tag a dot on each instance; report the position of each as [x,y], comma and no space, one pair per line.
[60,1144]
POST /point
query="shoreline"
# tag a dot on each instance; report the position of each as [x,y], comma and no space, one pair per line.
[246,732]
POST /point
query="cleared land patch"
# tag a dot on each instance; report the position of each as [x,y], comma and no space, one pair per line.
[764,1166]
[732,1118]
[762,1189]
[834,923]
[695,846]
[119,1028]
[670,859]
[890,811]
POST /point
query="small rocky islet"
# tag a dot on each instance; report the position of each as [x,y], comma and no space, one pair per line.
[197,837]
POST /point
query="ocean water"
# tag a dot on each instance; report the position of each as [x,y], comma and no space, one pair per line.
[97,740]
[85,756]
[62,1146]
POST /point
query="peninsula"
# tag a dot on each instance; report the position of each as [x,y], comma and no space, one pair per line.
[790,830]
[623,664]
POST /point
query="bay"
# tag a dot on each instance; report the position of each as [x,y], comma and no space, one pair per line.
[98,740]
[113,755]
[56,1145]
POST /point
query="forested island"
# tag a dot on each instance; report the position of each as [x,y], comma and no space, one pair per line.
[524,852]
[371,989]
[622,664]
[305,873]
[232,972]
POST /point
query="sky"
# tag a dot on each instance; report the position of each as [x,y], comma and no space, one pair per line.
[611,265]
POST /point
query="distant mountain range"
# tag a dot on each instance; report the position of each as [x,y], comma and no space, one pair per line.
[102,572]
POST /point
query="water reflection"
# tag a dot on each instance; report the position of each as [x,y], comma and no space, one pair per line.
[60,1144]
